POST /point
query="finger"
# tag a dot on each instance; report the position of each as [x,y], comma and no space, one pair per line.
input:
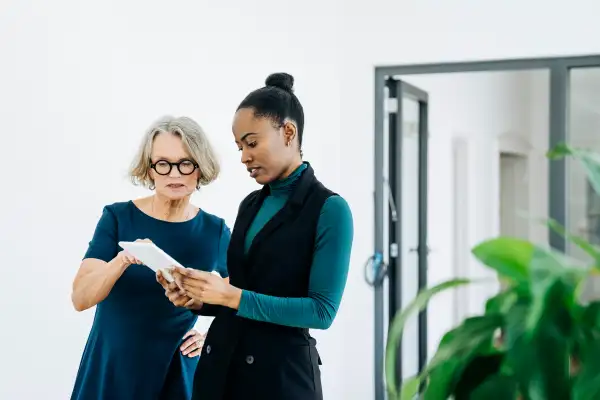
[194,285]
[163,282]
[191,332]
[195,353]
[174,297]
[190,272]
[192,344]
[189,303]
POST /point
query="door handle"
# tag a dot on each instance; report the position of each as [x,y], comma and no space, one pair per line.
[416,250]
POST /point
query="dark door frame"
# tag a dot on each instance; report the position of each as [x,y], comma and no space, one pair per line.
[559,68]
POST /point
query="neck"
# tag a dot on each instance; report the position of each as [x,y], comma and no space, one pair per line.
[169,209]
[285,186]
[292,167]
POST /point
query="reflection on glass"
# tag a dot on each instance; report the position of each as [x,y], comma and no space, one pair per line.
[583,204]
[410,231]
[583,208]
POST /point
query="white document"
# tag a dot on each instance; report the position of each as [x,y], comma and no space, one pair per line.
[152,256]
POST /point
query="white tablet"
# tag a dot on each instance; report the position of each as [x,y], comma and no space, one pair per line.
[152,256]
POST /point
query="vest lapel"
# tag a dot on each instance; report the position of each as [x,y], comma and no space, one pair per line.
[296,199]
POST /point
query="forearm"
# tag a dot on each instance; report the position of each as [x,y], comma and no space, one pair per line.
[328,275]
[94,282]
[313,312]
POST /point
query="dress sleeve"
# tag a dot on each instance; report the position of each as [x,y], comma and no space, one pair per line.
[104,244]
[328,276]
[223,246]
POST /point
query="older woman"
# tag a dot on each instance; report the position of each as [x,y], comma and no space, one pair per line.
[141,346]
[288,262]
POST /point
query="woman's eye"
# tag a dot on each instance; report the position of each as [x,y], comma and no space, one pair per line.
[253,144]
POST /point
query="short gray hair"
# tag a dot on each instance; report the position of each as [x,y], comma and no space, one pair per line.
[194,140]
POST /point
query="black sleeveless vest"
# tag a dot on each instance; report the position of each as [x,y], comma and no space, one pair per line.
[278,263]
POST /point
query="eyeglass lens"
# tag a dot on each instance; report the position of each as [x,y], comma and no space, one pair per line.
[185,167]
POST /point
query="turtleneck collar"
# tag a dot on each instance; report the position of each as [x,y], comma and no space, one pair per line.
[283,187]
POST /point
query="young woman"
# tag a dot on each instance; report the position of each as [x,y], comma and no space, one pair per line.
[287,260]
[141,346]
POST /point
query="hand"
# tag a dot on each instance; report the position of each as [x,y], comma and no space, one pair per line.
[176,295]
[205,287]
[124,259]
[192,347]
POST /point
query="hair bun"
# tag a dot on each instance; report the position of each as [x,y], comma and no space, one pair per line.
[281,80]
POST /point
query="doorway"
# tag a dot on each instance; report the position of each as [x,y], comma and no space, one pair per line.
[402,222]
[514,195]
[392,234]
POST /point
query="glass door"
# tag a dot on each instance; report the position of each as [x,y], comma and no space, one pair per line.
[405,214]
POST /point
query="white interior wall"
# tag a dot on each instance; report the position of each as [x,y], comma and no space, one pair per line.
[79,84]
[94,75]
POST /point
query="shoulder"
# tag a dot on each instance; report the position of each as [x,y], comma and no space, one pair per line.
[119,207]
[336,208]
[248,199]
[117,210]
[213,220]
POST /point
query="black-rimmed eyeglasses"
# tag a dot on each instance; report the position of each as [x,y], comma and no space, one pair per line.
[164,167]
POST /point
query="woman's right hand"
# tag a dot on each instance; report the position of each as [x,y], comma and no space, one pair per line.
[124,259]
[176,295]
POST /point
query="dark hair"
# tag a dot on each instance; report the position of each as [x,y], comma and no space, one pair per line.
[277,101]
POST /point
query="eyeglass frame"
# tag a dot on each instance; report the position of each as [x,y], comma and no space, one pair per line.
[172,164]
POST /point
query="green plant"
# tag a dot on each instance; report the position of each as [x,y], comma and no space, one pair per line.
[549,342]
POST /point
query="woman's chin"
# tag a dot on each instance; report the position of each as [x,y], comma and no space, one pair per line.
[263,179]
[176,194]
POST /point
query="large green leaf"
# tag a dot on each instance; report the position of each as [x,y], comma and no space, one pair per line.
[588,159]
[587,383]
[502,302]
[547,268]
[410,388]
[592,250]
[456,350]
[497,387]
[519,359]
[509,257]
[540,358]
[588,319]
[397,327]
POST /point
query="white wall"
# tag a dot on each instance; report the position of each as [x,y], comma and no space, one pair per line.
[80,81]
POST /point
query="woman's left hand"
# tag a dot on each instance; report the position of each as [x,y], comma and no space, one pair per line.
[192,347]
[205,287]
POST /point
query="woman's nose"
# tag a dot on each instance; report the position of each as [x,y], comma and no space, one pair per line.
[174,172]
[246,157]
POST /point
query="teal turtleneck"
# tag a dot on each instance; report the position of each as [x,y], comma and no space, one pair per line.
[329,270]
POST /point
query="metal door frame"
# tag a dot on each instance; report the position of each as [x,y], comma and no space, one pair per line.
[559,68]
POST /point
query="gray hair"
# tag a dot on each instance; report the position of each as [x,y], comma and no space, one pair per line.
[194,140]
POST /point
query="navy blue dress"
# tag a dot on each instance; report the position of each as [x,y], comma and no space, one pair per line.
[133,351]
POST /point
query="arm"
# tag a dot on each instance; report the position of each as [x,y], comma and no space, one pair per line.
[100,268]
[329,272]
[210,310]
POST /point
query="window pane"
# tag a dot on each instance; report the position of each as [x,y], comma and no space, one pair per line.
[584,131]
[583,203]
